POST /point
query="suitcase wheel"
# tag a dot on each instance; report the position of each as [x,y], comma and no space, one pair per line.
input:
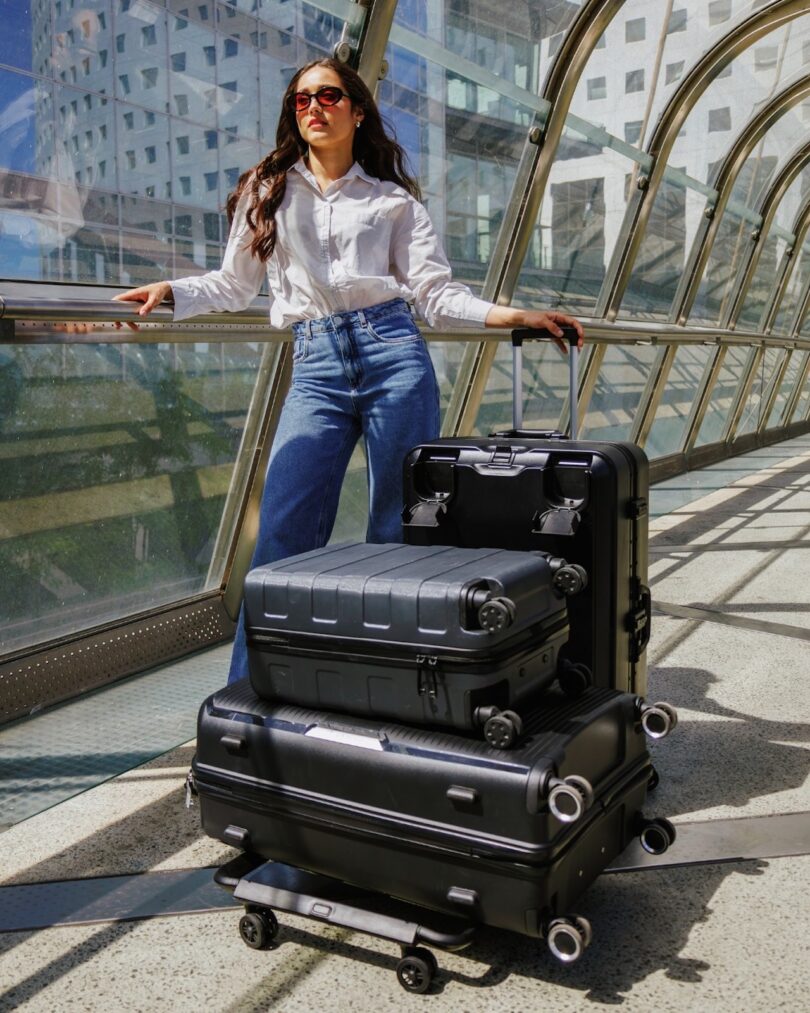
[656,836]
[568,938]
[416,969]
[570,578]
[658,719]
[574,678]
[258,927]
[503,729]
[570,798]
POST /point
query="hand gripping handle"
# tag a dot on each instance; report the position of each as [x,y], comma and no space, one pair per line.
[521,334]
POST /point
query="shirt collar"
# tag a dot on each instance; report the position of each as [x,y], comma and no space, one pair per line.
[355,170]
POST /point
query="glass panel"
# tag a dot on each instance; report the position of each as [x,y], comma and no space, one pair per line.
[674,220]
[761,291]
[681,389]
[722,397]
[732,242]
[797,360]
[797,284]
[581,213]
[752,410]
[134,99]
[803,405]
[618,390]
[116,463]
[461,91]
[544,385]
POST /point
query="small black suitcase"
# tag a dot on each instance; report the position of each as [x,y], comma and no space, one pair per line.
[583,501]
[428,635]
[434,819]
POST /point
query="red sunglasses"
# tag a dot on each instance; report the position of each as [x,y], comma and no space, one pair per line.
[326,96]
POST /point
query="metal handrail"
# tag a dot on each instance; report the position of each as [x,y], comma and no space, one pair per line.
[23,310]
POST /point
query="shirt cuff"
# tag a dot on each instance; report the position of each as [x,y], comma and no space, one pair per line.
[477,310]
[186,301]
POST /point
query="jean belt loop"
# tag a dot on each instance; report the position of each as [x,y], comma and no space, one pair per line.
[361,316]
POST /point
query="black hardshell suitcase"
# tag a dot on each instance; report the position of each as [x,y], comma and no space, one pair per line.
[437,820]
[430,635]
[585,501]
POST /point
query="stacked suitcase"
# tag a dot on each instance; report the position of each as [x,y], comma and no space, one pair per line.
[455,725]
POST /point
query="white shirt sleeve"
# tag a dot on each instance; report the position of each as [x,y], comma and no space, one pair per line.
[234,286]
[420,263]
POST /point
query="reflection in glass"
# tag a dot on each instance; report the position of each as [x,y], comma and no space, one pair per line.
[617,393]
[786,388]
[666,433]
[722,396]
[754,403]
[796,287]
[116,463]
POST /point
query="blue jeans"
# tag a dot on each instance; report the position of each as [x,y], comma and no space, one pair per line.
[361,373]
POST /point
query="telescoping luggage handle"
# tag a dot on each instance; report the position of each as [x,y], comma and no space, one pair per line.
[521,334]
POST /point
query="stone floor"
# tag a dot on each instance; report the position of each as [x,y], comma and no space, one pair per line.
[730,546]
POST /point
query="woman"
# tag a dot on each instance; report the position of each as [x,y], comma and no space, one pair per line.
[334,223]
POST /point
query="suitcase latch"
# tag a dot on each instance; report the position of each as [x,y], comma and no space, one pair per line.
[427,514]
[426,675]
[638,624]
[502,457]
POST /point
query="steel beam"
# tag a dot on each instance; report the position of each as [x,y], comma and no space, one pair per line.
[524,206]
[739,38]
[368,57]
[768,208]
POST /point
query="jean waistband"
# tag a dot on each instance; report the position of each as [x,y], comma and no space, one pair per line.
[348,317]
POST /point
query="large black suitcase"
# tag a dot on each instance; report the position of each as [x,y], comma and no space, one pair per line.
[447,636]
[435,819]
[584,501]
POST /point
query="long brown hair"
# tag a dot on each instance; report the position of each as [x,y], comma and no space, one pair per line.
[377,153]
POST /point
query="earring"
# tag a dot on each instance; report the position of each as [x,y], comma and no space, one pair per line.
[357,123]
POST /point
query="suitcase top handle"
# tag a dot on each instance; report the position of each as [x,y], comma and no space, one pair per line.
[521,334]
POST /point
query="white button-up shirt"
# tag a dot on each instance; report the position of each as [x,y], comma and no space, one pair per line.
[361,242]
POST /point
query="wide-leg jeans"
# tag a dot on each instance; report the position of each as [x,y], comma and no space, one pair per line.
[360,373]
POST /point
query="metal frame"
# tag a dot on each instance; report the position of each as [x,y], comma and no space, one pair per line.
[739,38]
[797,160]
[724,183]
[523,209]
[652,394]
[703,397]
[744,389]
[796,393]
[773,389]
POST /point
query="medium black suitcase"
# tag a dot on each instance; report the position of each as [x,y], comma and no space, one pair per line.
[434,819]
[447,636]
[584,501]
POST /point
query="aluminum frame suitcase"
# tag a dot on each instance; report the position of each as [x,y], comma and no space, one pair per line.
[585,501]
[430,635]
[434,819]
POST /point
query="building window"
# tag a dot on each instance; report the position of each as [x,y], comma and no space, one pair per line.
[230,48]
[597,88]
[124,80]
[635,30]
[634,81]
[232,176]
[719,120]
[148,35]
[632,131]
[677,21]
[719,11]
[149,76]
[181,104]
[88,140]
[766,57]
[129,120]
[210,55]
[102,169]
[86,65]
[120,41]
[674,71]
[150,191]
[183,145]
[88,103]
[210,180]
[102,57]
[601,42]
[210,138]
[102,131]
[102,20]
[130,159]
[185,185]
[148,119]
[202,11]
[178,62]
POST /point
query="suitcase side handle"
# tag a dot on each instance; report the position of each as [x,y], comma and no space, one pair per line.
[521,334]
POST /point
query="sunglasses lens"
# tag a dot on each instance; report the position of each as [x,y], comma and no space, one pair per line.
[329,96]
[301,100]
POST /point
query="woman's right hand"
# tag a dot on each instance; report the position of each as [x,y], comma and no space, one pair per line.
[150,295]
